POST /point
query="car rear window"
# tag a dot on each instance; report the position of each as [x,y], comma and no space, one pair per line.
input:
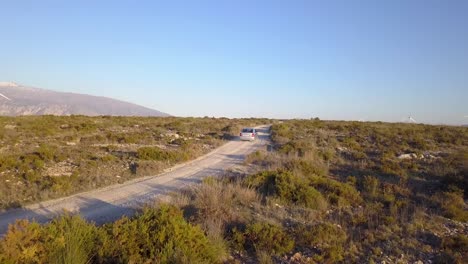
[247,130]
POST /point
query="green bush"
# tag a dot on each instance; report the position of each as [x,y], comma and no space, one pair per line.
[370,186]
[23,243]
[452,205]
[46,152]
[262,236]
[287,187]
[160,235]
[307,168]
[455,250]
[152,153]
[71,240]
[157,235]
[157,154]
[8,162]
[457,243]
[337,193]
[329,238]
[68,239]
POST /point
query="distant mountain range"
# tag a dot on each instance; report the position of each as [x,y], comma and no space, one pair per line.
[16,99]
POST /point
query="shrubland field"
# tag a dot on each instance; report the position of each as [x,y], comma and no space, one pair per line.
[322,192]
[44,157]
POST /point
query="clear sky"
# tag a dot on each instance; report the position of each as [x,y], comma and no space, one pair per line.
[359,60]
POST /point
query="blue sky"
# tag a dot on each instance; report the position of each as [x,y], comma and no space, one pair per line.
[352,60]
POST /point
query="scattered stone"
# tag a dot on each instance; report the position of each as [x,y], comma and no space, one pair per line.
[343,149]
[205,146]
[408,156]
[63,168]
[296,257]
[172,135]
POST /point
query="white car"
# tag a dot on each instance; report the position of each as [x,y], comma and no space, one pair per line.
[248,134]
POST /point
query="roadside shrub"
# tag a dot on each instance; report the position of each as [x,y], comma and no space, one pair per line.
[231,131]
[152,153]
[159,235]
[280,130]
[217,201]
[23,243]
[157,154]
[70,239]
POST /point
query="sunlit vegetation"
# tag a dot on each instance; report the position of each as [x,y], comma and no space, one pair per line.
[322,192]
[158,235]
[45,157]
[378,191]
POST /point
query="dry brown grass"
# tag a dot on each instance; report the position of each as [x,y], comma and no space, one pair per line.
[220,201]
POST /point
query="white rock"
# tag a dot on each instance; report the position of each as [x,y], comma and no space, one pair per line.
[407,156]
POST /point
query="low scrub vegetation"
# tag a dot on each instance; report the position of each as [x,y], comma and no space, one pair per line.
[159,235]
[323,192]
[44,157]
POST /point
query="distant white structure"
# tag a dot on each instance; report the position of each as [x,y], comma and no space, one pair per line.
[409,119]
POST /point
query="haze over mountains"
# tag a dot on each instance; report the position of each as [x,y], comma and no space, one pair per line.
[16,99]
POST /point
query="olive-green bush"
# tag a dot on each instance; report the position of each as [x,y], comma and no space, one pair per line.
[158,235]
[266,237]
[288,188]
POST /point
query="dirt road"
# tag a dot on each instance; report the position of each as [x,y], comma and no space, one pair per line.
[111,203]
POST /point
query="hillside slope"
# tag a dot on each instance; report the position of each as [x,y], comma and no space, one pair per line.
[17,100]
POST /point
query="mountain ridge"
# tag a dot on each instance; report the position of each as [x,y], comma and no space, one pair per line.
[17,99]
